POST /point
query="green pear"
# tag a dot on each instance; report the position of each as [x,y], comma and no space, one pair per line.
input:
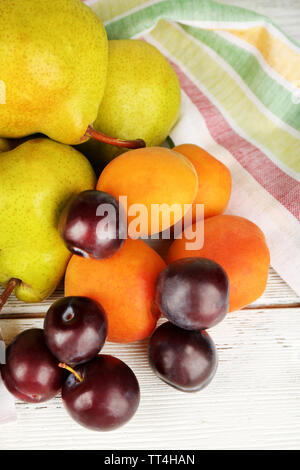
[52,70]
[37,179]
[141,98]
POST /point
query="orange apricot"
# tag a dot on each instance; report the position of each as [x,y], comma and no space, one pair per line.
[156,178]
[124,286]
[239,246]
[214,180]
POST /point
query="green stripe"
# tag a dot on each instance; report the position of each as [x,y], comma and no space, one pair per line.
[271,93]
[176,10]
[228,94]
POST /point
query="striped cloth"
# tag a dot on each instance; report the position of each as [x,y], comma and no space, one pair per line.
[240,79]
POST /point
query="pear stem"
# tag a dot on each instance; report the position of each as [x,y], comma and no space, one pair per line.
[170,142]
[12,283]
[129,144]
[62,365]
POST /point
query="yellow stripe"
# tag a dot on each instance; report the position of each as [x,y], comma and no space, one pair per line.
[228,94]
[276,53]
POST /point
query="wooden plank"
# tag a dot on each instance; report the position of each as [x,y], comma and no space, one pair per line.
[277,293]
[253,402]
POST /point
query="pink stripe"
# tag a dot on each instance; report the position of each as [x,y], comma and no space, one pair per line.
[280,185]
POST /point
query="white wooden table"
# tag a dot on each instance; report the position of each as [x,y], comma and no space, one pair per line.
[254,400]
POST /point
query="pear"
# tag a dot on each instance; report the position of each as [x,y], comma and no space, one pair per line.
[9,144]
[5,145]
[53,68]
[141,98]
[37,179]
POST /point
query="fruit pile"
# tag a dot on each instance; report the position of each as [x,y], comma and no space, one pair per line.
[101,392]
[66,223]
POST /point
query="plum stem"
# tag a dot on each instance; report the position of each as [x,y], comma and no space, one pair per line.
[129,144]
[12,283]
[62,365]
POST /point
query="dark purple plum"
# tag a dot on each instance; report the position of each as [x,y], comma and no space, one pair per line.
[107,396]
[75,329]
[184,359]
[193,293]
[31,372]
[91,225]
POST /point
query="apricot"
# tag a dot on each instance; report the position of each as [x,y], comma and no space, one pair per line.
[124,286]
[239,246]
[156,178]
[214,180]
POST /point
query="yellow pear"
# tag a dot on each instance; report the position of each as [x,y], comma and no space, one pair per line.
[53,68]
[141,98]
[37,179]
[6,145]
